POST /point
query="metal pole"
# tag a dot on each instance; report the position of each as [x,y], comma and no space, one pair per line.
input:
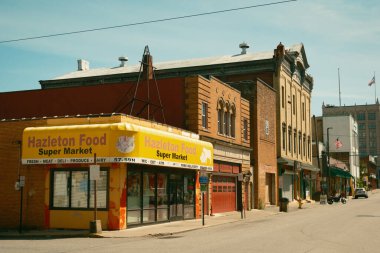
[316,141]
[95,207]
[328,158]
[21,200]
[245,194]
[242,201]
[203,209]
[21,189]
[375,85]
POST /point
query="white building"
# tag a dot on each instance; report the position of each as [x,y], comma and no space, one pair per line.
[341,138]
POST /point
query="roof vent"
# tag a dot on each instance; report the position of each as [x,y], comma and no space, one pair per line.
[123,61]
[83,65]
[243,47]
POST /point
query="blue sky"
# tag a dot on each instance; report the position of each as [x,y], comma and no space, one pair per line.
[342,34]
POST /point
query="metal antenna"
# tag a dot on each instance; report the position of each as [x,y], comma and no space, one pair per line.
[340,100]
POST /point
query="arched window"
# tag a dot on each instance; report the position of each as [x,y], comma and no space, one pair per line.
[227,118]
[204,115]
[220,116]
[290,139]
[299,142]
[283,136]
[245,129]
[304,146]
[232,120]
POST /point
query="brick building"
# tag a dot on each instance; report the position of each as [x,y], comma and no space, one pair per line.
[222,119]
[368,172]
[148,172]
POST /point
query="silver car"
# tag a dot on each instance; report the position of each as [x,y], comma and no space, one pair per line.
[360,192]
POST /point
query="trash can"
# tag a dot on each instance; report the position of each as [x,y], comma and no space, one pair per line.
[284,204]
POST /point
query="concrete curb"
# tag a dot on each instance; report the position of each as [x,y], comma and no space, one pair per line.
[43,235]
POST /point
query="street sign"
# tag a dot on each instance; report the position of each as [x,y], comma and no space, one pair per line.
[22,181]
[94,172]
[203,187]
[203,179]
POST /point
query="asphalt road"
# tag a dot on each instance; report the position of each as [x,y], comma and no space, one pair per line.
[353,227]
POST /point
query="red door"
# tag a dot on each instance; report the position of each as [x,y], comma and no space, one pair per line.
[223,194]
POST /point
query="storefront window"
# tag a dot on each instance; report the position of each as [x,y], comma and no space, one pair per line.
[154,196]
[133,190]
[101,191]
[162,195]
[149,197]
[149,200]
[79,189]
[189,196]
[70,189]
[61,189]
[133,197]
[189,186]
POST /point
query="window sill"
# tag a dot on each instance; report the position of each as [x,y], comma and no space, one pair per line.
[227,136]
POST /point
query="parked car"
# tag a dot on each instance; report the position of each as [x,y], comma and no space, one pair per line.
[360,192]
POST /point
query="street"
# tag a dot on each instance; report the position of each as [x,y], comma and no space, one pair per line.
[337,228]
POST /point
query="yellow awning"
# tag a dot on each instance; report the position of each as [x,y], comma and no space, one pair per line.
[114,143]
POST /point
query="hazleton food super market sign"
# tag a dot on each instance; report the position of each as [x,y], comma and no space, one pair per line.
[114,143]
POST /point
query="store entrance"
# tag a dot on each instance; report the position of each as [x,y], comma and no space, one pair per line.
[156,194]
[176,197]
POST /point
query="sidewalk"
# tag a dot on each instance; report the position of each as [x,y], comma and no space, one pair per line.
[160,230]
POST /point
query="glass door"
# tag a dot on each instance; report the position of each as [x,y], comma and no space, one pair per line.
[175,197]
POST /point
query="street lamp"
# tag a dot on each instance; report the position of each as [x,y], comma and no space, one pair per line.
[328,158]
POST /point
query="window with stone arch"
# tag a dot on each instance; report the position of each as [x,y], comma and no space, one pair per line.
[232,120]
[226,123]
[226,118]
[220,110]
[283,136]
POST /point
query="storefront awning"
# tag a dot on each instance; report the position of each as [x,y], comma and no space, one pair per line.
[304,166]
[114,143]
[285,161]
[336,172]
[309,167]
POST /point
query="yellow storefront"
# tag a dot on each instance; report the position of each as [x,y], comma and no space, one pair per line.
[146,175]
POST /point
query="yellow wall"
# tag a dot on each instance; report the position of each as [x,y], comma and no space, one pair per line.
[71,219]
[117,215]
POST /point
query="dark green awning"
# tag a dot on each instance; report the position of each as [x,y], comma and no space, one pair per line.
[336,172]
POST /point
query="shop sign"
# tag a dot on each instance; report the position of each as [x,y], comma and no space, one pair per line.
[95,172]
[114,143]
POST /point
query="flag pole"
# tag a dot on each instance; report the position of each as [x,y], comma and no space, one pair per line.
[340,101]
[374,77]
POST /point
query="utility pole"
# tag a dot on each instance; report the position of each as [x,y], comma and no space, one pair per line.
[328,157]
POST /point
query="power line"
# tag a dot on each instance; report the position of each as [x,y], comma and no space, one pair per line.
[147,22]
